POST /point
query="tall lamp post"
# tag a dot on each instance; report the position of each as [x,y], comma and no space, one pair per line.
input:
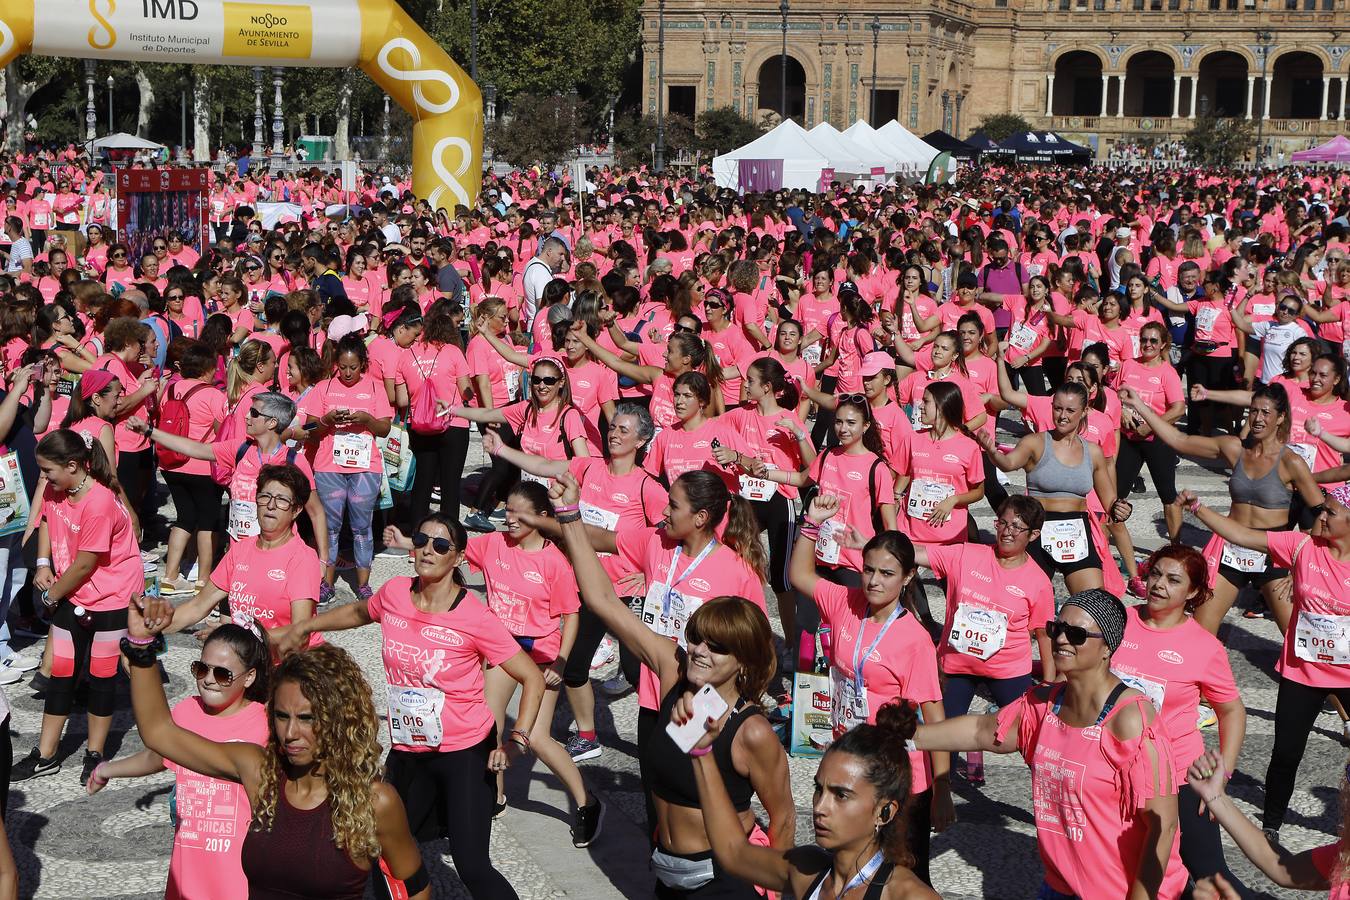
[257,113]
[90,118]
[110,104]
[276,112]
[659,154]
[782,64]
[1263,38]
[473,39]
[876,38]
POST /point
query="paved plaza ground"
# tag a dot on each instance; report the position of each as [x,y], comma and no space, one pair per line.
[116,844]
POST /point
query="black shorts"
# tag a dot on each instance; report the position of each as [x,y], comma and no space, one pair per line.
[1240,579]
[196,500]
[1039,552]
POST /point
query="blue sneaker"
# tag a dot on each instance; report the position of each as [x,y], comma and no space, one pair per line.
[479,522]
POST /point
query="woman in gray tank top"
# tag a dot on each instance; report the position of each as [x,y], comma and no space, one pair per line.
[1266,473]
[1063,471]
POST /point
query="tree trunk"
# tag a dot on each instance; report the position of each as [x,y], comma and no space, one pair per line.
[341,133]
[201,117]
[18,92]
[147,100]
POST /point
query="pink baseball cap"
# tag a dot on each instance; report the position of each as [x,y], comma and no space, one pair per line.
[876,361]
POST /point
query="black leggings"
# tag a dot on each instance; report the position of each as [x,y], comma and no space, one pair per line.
[84,651]
[1032,379]
[590,631]
[440,461]
[1054,368]
[1216,374]
[994,491]
[822,434]
[959,690]
[499,480]
[1162,467]
[1201,847]
[6,764]
[458,786]
[136,474]
[775,518]
[1296,709]
[196,501]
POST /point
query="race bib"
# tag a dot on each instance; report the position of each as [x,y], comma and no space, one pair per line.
[665,611]
[537,479]
[924,496]
[848,704]
[415,716]
[1263,309]
[1206,318]
[1154,690]
[243,521]
[827,545]
[1066,540]
[600,518]
[1023,337]
[977,631]
[352,450]
[812,355]
[1306,452]
[1242,559]
[1322,638]
[757,488]
[1134,346]
[512,376]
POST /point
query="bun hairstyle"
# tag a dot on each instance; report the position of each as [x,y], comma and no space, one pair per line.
[881,749]
[771,371]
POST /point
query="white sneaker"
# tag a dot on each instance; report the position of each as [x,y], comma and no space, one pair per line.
[21,663]
[605,654]
[9,675]
[192,573]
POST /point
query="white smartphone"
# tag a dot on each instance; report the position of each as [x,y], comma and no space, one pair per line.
[708,704]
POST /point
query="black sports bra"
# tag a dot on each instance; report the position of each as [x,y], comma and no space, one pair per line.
[874,888]
[672,771]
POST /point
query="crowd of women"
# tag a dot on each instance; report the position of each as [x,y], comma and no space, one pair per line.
[699,409]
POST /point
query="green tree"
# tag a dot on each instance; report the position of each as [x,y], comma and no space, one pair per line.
[635,135]
[541,130]
[724,129]
[1001,126]
[1214,141]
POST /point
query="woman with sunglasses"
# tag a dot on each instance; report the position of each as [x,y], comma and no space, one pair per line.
[1177,664]
[1267,474]
[446,752]
[230,705]
[896,660]
[728,342]
[350,410]
[247,576]
[1314,663]
[255,286]
[88,565]
[1275,336]
[1064,470]
[119,270]
[189,321]
[1101,766]
[724,643]
[1154,380]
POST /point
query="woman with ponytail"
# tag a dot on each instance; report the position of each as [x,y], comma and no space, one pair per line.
[230,705]
[659,367]
[880,653]
[88,566]
[769,444]
[859,814]
[251,371]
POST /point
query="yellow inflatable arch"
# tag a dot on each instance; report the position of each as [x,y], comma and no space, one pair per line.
[376,35]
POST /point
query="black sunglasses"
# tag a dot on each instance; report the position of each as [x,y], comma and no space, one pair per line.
[714,304]
[682,329]
[440,545]
[1076,635]
[1292,310]
[224,677]
[549,380]
[692,636]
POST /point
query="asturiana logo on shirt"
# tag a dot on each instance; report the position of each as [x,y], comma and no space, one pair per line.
[1171,656]
[276,574]
[439,634]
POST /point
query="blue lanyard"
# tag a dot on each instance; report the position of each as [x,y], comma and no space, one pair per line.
[674,563]
[859,658]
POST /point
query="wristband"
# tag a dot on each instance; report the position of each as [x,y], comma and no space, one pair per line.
[43,562]
[141,642]
[520,737]
[94,776]
[569,518]
[701,752]
[566,509]
[1195,507]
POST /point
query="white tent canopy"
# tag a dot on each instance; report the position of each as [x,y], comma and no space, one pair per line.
[839,147]
[802,162]
[913,148]
[123,141]
[862,134]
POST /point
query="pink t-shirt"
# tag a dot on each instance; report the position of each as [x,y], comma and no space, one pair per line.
[903,665]
[721,574]
[213,814]
[442,365]
[592,385]
[126,440]
[618,502]
[991,611]
[1087,788]
[543,434]
[483,360]
[530,591]
[263,584]
[937,469]
[762,437]
[846,475]
[350,448]
[1319,630]
[98,524]
[1175,666]
[1158,386]
[206,408]
[733,351]
[440,657]
[1325,859]
[384,359]
[675,451]
[243,486]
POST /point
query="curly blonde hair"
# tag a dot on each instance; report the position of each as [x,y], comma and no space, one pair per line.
[347,744]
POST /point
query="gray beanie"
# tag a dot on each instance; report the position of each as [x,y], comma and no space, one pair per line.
[1106,610]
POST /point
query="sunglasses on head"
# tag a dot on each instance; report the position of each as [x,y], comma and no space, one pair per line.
[1076,635]
[440,545]
[549,380]
[692,636]
[224,677]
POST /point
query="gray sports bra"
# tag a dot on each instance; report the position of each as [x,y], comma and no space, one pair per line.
[1051,478]
[1266,492]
